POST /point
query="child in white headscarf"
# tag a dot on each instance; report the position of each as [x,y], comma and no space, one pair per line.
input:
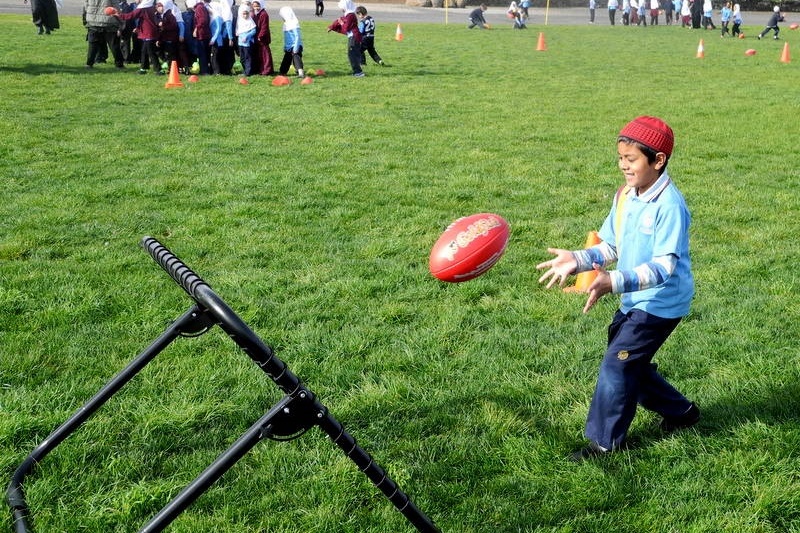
[292,42]
[245,34]
[737,20]
[347,24]
[221,36]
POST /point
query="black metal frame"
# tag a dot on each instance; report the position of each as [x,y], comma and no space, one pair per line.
[296,412]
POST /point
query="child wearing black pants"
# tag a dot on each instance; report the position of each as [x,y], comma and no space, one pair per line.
[366,25]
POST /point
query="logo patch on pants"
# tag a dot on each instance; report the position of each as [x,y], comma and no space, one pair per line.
[622,355]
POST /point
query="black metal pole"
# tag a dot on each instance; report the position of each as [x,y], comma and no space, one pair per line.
[215,470]
[289,383]
[375,473]
[15,493]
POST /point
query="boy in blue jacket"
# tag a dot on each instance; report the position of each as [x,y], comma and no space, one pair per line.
[647,234]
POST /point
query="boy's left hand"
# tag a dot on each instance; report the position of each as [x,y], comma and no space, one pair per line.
[599,287]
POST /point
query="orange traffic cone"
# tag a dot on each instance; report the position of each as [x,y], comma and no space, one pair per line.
[541,47]
[585,279]
[701,51]
[398,35]
[174,79]
[785,56]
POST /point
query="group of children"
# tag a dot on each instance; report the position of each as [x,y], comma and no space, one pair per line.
[206,37]
[519,13]
[691,13]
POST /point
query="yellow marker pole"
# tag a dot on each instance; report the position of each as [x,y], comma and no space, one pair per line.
[546,12]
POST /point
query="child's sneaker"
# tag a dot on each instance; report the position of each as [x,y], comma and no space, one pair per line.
[591,451]
[142,71]
[686,420]
[359,75]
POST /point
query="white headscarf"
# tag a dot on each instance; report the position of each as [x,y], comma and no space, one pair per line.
[243,25]
[221,10]
[144,4]
[190,4]
[169,5]
[348,6]
[290,21]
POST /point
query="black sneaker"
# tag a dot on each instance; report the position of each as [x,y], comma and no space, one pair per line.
[590,451]
[686,420]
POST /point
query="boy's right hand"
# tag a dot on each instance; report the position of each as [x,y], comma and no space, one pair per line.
[559,268]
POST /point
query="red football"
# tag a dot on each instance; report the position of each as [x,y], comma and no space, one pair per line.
[469,247]
[110,11]
[750,52]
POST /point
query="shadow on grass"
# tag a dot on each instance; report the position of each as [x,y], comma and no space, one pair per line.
[776,405]
[48,69]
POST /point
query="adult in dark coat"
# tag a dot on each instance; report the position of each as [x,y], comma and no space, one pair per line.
[45,15]
[697,14]
[101,31]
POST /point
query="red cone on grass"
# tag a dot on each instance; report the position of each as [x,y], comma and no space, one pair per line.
[174,78]
[785,55]
[540,46]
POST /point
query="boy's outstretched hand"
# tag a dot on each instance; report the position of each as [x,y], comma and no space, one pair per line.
[563,265]
[600,286]
[559,268]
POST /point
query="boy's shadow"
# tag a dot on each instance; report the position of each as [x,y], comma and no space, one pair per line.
[770,406]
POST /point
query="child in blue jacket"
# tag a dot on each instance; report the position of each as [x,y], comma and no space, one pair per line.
[245,35]
[292,43]
[647,234]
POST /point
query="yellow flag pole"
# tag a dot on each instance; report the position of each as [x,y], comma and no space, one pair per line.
[546,12]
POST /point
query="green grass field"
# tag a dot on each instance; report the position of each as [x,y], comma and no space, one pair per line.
[311,211]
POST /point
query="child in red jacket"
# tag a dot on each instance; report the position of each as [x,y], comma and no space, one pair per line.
[347,24]
[152,21]
[262,54]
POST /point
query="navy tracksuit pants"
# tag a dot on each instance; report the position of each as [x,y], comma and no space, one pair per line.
[628,378]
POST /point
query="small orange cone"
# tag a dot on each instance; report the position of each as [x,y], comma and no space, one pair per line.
[398,35]
[541,47]
[701,51]
[174,79]
[585,279]
[785,56]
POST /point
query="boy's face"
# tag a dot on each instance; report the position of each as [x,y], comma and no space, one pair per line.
[635,167]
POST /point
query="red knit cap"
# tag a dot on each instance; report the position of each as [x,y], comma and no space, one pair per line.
[651,132]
